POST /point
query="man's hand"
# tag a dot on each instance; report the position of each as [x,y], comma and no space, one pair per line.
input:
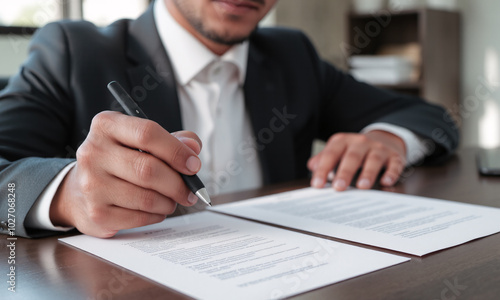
[371,152]
[113,186]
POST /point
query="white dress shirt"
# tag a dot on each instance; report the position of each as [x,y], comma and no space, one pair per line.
[210,89]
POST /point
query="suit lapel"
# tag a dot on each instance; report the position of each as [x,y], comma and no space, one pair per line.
[265,99]
[151,78]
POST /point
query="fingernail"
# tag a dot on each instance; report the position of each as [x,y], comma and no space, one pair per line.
[339,184]
[193,164]
[317,182]
[387,180]
[364,184]
[192,199]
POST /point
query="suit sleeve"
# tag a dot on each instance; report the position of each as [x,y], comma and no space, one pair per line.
[35,117]
[349,105]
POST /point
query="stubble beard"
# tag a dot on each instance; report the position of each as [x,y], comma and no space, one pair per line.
[217,37]
[223,38]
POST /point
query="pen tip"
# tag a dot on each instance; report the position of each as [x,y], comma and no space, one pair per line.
[203,195]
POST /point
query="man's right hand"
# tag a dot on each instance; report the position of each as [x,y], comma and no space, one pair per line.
[113,186]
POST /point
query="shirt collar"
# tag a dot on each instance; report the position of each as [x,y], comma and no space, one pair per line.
[187,54]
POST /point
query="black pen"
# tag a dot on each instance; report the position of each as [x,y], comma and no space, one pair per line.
[132,109]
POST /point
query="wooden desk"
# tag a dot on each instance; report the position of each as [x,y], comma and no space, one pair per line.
[48,269]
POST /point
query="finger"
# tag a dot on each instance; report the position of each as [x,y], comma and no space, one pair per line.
[327,160]
[149,136]
[312,163]
[146,171]
[374,162]
[351,162]
[394,169]
[127,195]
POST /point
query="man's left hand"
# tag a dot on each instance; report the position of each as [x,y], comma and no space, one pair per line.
[349,152]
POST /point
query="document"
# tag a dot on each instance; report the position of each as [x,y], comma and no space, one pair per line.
[212,256]
[403,223]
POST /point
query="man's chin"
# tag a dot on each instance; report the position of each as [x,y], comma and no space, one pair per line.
[225,38]
[228,41]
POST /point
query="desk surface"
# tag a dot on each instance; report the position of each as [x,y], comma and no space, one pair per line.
[48,269]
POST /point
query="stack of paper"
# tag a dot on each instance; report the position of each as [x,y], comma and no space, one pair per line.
[376,69]
[404,223]
[213,256]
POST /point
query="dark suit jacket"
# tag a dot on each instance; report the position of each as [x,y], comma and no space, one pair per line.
[3,82]
[292,97]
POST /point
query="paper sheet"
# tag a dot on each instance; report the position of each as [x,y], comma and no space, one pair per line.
[409,224]
[211,256]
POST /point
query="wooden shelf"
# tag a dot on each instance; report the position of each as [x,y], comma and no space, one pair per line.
[437,32]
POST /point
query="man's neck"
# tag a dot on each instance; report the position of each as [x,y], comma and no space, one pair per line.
[216,48]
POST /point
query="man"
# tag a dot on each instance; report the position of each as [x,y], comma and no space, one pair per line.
[256,98]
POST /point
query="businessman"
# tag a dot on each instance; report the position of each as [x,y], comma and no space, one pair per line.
[253,99]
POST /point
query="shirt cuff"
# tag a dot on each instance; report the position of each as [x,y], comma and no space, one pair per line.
[39,214]
[416,148]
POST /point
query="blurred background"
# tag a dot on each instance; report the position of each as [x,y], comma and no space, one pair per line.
[444,50]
